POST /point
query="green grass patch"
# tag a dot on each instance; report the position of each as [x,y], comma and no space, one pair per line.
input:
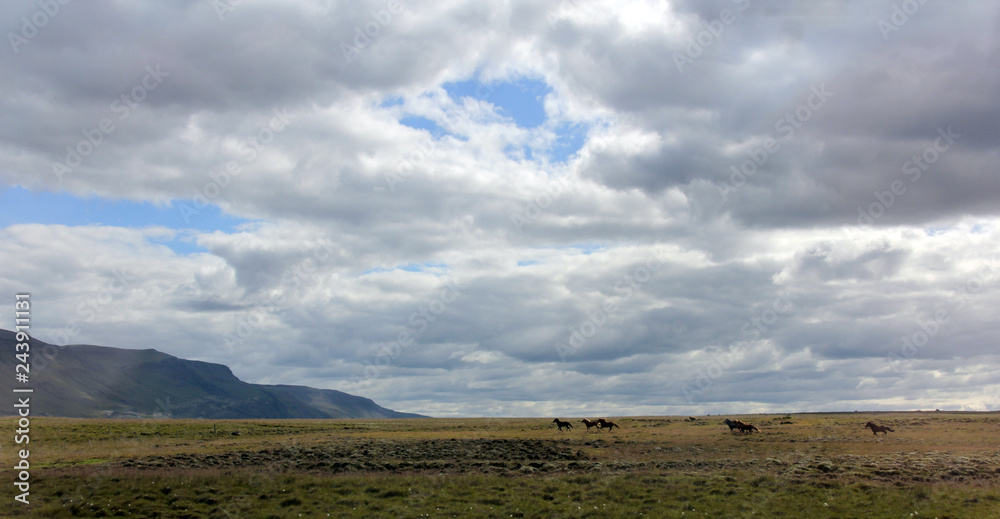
[480,495]
[814,465]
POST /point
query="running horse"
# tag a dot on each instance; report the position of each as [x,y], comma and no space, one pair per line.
[748,428]
[885,430]
[733,424]
[590,424]
[602,423]
[560,424]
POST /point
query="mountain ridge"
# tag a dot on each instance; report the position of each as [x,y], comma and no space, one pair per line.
[90,381]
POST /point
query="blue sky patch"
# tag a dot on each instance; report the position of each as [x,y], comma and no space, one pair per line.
[422,267]
[570,137]
[23,206]
[420,122]
[518,152]
[934,231]
[522,100]
[588,248]
[391,101]
[182,243]
[410,267]
[584,248]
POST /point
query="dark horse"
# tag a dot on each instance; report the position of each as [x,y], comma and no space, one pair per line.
[560,424]
[602,423]
[590,424]
[748,428]
[885,430]
[733,424]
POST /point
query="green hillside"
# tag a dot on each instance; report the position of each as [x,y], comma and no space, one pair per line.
[87,381]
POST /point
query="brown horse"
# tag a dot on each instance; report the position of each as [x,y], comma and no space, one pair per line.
[748,428]
[733,424]
[885,430]
[560,424]
[590,424]
[602,424]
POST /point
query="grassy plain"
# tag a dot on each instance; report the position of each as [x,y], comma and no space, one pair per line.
[935,464]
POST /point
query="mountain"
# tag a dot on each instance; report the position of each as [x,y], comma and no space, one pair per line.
[96,381]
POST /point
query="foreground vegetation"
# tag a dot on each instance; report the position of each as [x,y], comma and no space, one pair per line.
[811,465]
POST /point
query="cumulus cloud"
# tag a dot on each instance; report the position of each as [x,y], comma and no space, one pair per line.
[764,205]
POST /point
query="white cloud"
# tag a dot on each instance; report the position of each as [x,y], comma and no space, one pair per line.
[347,245]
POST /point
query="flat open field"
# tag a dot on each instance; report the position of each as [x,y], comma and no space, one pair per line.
[935,464]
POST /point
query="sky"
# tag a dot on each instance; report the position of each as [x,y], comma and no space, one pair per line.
[518,208]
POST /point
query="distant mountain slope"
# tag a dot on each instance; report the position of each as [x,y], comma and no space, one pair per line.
[94,381]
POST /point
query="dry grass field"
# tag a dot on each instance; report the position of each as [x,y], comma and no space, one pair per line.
[935,464]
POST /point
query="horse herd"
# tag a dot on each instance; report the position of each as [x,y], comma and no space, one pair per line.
[734,425]
[740,426]
[600,423]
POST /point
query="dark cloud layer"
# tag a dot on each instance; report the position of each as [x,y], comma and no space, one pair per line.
[786,207]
